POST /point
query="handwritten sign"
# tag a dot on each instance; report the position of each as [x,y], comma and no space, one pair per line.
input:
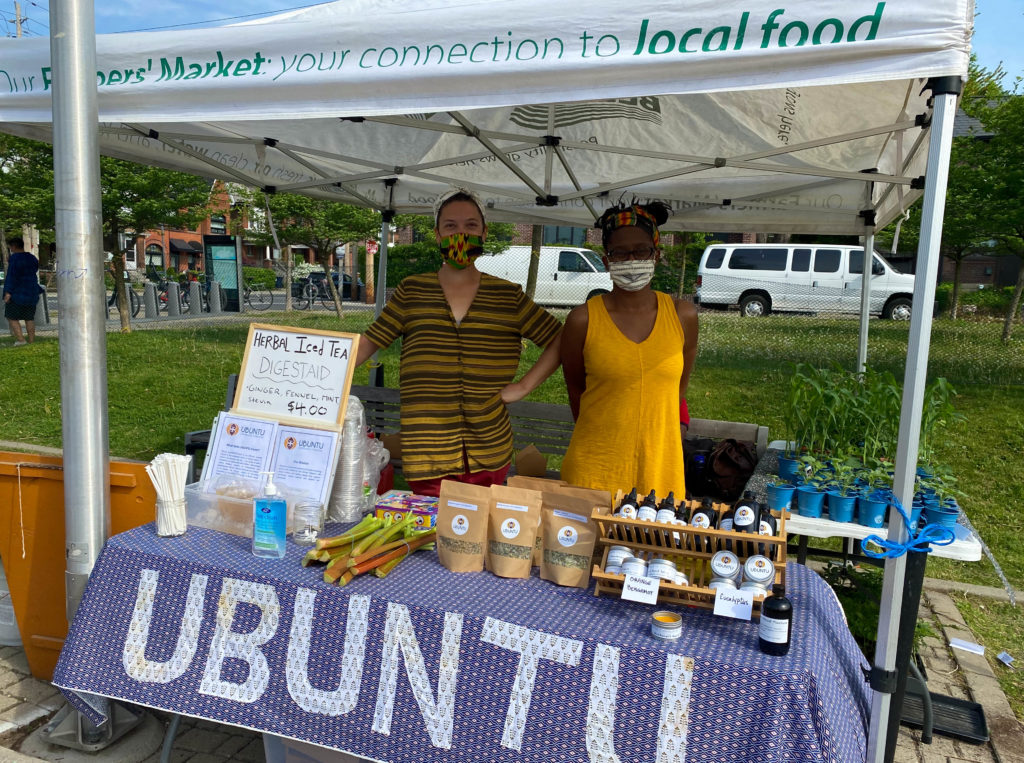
[297,375]
[641,589]
[734,603]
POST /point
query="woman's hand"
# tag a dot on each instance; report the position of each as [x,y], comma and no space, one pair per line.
[513,393]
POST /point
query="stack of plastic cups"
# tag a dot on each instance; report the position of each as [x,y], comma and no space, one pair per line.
[346,503]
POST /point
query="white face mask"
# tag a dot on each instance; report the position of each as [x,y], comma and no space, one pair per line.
[632,275]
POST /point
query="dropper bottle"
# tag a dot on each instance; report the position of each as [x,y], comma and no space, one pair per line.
[648,510]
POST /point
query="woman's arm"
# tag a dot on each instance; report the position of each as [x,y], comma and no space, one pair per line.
[573,336]
[687,313]
[366,348]
[541,370]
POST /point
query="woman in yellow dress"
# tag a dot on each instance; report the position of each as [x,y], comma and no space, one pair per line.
[627,357]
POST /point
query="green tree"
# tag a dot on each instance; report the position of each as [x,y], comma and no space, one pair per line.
[321,225]
[137,197]
[26,189]
[1000,163]
[967,223]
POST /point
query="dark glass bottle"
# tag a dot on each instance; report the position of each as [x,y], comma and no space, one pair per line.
[667,508]
[767,524]
[648,510]
[706,516]
[775,630]
[628,506]
[744,520]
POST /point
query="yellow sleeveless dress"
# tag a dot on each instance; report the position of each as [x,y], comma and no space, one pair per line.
[627,434]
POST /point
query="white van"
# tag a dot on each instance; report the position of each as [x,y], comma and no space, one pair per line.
[818,278]
[566,276]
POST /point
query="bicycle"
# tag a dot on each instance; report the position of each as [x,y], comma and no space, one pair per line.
[311,292]
[257,296]
[163,292]
[133,300]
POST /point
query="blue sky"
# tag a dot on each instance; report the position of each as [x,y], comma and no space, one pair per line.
[999,25]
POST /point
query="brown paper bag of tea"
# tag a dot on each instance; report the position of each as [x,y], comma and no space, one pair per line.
[513,520]
[462,525]
[596,497]
[568,537]
[535,483]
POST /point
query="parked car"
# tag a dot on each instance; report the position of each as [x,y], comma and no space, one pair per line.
[566,275]
[761,278]
[317,278]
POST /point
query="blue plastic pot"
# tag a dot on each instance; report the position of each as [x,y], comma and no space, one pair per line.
[840,507]
[941,517]
[788,468]
[809,501]
[871,511]
[780,497]
[915,515]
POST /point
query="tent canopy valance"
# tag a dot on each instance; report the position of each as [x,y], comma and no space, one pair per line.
[742,116]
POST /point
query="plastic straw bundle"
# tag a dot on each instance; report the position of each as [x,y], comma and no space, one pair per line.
[168,471]
[346,503]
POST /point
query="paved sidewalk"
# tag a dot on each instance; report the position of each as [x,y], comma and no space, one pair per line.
[26,704]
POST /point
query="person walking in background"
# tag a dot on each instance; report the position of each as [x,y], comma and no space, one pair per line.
[627,358]
[21,292]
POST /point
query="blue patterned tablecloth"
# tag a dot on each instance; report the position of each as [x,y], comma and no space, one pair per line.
[430,665]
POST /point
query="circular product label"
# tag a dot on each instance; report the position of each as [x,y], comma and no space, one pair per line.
[568,536]
[460,525]
[700,519]
[725,564]
[510,528]
[759,569]
[629,512]
[763,528]
[744,516]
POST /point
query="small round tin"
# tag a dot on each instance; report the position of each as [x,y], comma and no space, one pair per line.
[727,583]
[755,588]
[666,625]
[634,566]
[725,564]
[760,570]
[681,579]
[613,569]
[618,554]
[663,569]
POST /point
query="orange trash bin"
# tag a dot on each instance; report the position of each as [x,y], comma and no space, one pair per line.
[32,548]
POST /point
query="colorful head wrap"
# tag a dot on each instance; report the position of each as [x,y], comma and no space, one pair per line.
[457,193]
[633,215]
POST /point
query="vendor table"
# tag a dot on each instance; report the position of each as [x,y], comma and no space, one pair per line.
[430,665]
[966,547]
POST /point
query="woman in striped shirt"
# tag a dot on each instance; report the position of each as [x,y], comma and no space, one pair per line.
[462,334]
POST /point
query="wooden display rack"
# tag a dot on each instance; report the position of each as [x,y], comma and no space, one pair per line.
[691,548]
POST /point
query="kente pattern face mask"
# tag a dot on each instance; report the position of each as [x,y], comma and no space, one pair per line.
[460,249]
[632,275]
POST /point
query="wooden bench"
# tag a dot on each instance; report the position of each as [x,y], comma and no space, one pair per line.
[547,425]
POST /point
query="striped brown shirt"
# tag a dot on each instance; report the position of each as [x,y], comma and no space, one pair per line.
[451,375]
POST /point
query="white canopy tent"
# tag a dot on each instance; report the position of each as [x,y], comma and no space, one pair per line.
[744,116]
[766,122]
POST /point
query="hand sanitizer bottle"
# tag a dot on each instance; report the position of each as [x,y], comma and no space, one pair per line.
[269,522]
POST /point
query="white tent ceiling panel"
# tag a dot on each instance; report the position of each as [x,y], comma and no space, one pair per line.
[765,126]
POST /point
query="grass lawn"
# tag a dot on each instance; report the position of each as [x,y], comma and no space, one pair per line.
[165,383]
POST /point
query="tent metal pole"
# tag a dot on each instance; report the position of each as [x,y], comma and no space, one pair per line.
[884,681]
[865,298]
[80,294]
